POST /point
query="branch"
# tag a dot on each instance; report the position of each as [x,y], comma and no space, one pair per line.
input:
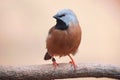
[48,72]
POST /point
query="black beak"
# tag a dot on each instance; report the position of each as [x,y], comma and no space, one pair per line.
[56,17]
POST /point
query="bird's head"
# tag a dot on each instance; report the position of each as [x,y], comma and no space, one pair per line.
[66,16]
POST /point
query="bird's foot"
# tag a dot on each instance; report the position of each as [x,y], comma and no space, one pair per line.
[54,62]
[74,65]
[72,62]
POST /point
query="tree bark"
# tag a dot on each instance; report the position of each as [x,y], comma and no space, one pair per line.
[62,71]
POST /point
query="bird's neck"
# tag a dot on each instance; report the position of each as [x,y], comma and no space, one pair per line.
[61,25]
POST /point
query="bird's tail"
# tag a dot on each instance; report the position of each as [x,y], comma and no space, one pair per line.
[47,56]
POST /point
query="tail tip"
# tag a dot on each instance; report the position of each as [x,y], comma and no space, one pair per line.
[47,56]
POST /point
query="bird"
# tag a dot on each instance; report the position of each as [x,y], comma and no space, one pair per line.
[64,37]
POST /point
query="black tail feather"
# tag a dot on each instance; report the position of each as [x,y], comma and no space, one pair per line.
[47,56]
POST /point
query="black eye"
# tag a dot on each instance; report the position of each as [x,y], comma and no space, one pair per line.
[62,15]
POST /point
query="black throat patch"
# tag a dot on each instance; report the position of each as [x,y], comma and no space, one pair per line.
[61,25]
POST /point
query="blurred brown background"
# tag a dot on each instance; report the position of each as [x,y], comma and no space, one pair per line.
[24,26]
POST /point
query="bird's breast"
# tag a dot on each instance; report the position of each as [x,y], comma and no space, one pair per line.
[63,42]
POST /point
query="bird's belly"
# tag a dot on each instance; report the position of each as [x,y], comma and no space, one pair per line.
[63,43]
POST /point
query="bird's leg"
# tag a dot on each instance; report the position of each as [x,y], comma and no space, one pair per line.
[54,62]
[72,62]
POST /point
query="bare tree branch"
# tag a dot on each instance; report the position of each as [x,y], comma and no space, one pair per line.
[48,71]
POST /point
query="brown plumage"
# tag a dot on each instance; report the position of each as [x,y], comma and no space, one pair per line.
[61,43]
[64,38]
